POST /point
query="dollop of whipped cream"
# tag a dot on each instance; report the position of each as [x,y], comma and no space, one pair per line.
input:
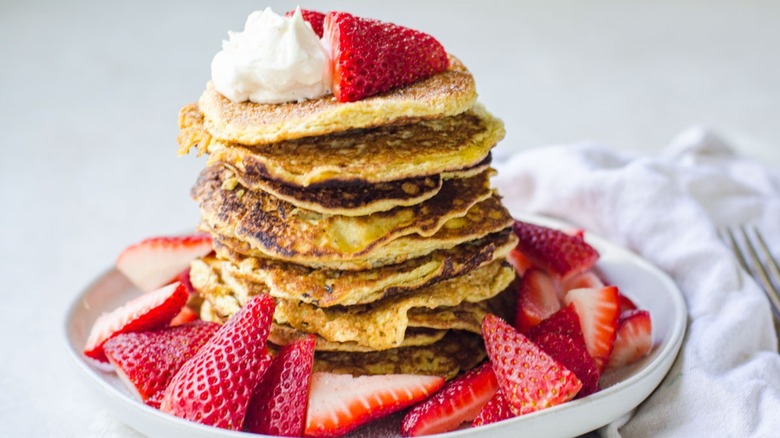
[274,60]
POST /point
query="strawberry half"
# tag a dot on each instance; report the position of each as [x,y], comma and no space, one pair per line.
[496,409]
[149,311]
[626,304]
[572,354]
[529,378]
[556,252]
[586,279]
[278,405]
[186,315]
[157,261]
[598,310]
[371,57]
[537,299]
[563,322]
[458,402]
[314,18]
[147,361]
[339,403]
[519,261]
[634,338]
[215,386]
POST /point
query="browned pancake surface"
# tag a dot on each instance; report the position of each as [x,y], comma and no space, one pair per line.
[448,93]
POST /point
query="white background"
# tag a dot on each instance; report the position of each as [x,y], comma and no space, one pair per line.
[90,90]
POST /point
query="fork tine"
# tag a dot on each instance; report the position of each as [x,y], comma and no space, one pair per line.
[768,256]
[737,250]
[761,273]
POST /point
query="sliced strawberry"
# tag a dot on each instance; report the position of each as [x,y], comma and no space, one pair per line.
[339,403]
[537,299]
[314,18]
[278,405]
[563,322]
[519,261]
[215,386]
[577,232]
[626,304]
[186,315]
[147,361]
[371,57]
[458,402]
[634,338]
[556,252]
[528,377]
[149,311]
[598,310]
[573,355]
[496,409]
[586,279]
[184,278]
[561,337]
[157,261]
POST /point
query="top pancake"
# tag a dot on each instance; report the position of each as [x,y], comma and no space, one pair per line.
[445,94]
[384,154]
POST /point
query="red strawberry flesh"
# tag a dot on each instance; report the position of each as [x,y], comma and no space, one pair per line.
[340,403]
[537,299]
[598,311]
[314,18]
[574,356]
[371,57]
[561,337]
[278,405]
[157,261]
[556,252]
[529,378]
[496,409]
[216,385]
[634,338]
[459,401]
[149,311]
[147,361]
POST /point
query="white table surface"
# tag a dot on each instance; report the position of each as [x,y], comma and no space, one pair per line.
[89,94]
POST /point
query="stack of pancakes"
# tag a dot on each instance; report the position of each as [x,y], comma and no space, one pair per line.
[372,223]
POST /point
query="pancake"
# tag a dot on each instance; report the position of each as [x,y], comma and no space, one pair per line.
[357,199]
[448,93]
[282,231]
[482,220]
[376,326]
[457,352]
[283,334]
[385,154]
[382,325]
[325,288]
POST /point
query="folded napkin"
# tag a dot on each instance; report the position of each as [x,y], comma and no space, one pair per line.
[726,380]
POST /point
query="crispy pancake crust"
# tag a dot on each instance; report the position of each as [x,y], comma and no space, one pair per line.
[382,325]
[462,301]
[325,288]
[283,231]
[447,93]
[357,199]
[282,334]
[481,221]
[458,351]
[388,153]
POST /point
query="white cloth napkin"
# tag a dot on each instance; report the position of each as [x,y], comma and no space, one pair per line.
[726,380]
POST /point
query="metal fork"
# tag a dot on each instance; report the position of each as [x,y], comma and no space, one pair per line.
[750,245]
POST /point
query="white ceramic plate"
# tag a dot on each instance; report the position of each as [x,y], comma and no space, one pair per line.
[647,286]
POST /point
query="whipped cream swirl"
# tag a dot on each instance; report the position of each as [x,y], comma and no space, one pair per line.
[274,60]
